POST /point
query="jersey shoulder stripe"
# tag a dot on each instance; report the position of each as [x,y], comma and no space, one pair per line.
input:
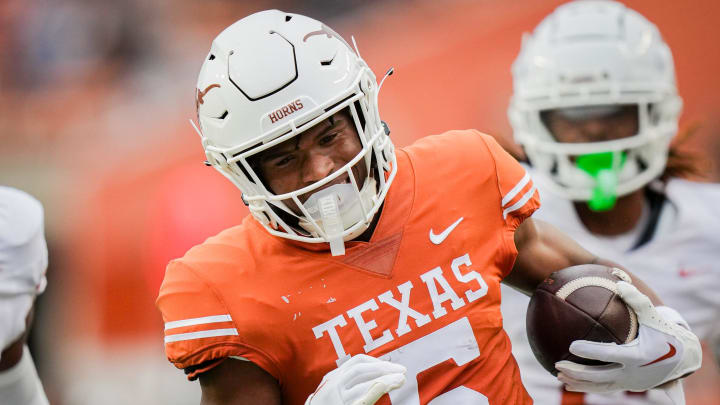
[516,189]
[198,321]
[525,198]
[205,320]
[200,335]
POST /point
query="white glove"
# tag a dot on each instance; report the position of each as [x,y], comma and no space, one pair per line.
[664,350]
[362,380]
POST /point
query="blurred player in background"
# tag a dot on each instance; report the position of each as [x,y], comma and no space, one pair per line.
[23,261]
[595,108]
[339,287]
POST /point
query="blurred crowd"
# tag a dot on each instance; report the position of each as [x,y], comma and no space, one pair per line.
[94,101]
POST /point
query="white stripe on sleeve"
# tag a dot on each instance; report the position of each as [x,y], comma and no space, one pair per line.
[198,321]
[527,196]
[515,190]
[202,334]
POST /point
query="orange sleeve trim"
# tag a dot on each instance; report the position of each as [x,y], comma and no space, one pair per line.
[218,350]
[193,372]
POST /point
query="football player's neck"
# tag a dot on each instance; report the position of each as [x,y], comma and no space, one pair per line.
[620,219]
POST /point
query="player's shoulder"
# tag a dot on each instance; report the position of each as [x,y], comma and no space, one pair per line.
[695,207]
[21,215]
[226,244]
[454,152]
[213,300]
[216,259]
[454,141]
[695,197]
[693,189]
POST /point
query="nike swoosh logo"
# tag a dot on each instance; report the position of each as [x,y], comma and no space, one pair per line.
[439,238]
[685,273]
[667,355]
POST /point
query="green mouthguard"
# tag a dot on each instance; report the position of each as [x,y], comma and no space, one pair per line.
[604,167]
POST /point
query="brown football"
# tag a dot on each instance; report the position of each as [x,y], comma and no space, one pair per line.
[577,303]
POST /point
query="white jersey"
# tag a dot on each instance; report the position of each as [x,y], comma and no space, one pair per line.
[23,260]
[681,262]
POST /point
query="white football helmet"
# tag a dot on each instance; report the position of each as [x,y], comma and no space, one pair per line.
[269,77]
[595,53]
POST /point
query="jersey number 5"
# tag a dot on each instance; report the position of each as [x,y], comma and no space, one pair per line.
[455,341]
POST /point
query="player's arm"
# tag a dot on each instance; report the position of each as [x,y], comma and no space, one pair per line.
[664,339]
[361,380]
[238,382]
[543,249]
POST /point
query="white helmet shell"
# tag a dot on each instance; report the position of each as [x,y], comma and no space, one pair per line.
[269,77]
[593,53]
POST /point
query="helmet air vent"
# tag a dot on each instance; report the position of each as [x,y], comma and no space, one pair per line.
[327,62]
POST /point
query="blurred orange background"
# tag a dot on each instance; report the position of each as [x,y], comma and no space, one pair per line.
[93,121]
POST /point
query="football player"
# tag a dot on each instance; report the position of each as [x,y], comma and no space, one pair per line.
[595,107]
[361,270]
[23,261]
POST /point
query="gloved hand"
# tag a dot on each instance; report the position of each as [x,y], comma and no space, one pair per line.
[362,380]
[664,350]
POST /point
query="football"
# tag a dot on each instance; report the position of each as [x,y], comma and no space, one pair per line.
[578,303]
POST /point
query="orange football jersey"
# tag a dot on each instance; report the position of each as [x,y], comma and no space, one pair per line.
[424,292]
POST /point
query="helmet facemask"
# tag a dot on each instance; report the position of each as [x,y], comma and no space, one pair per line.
[308,211]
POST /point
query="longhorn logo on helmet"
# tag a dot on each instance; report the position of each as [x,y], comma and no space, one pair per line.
[201,94]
